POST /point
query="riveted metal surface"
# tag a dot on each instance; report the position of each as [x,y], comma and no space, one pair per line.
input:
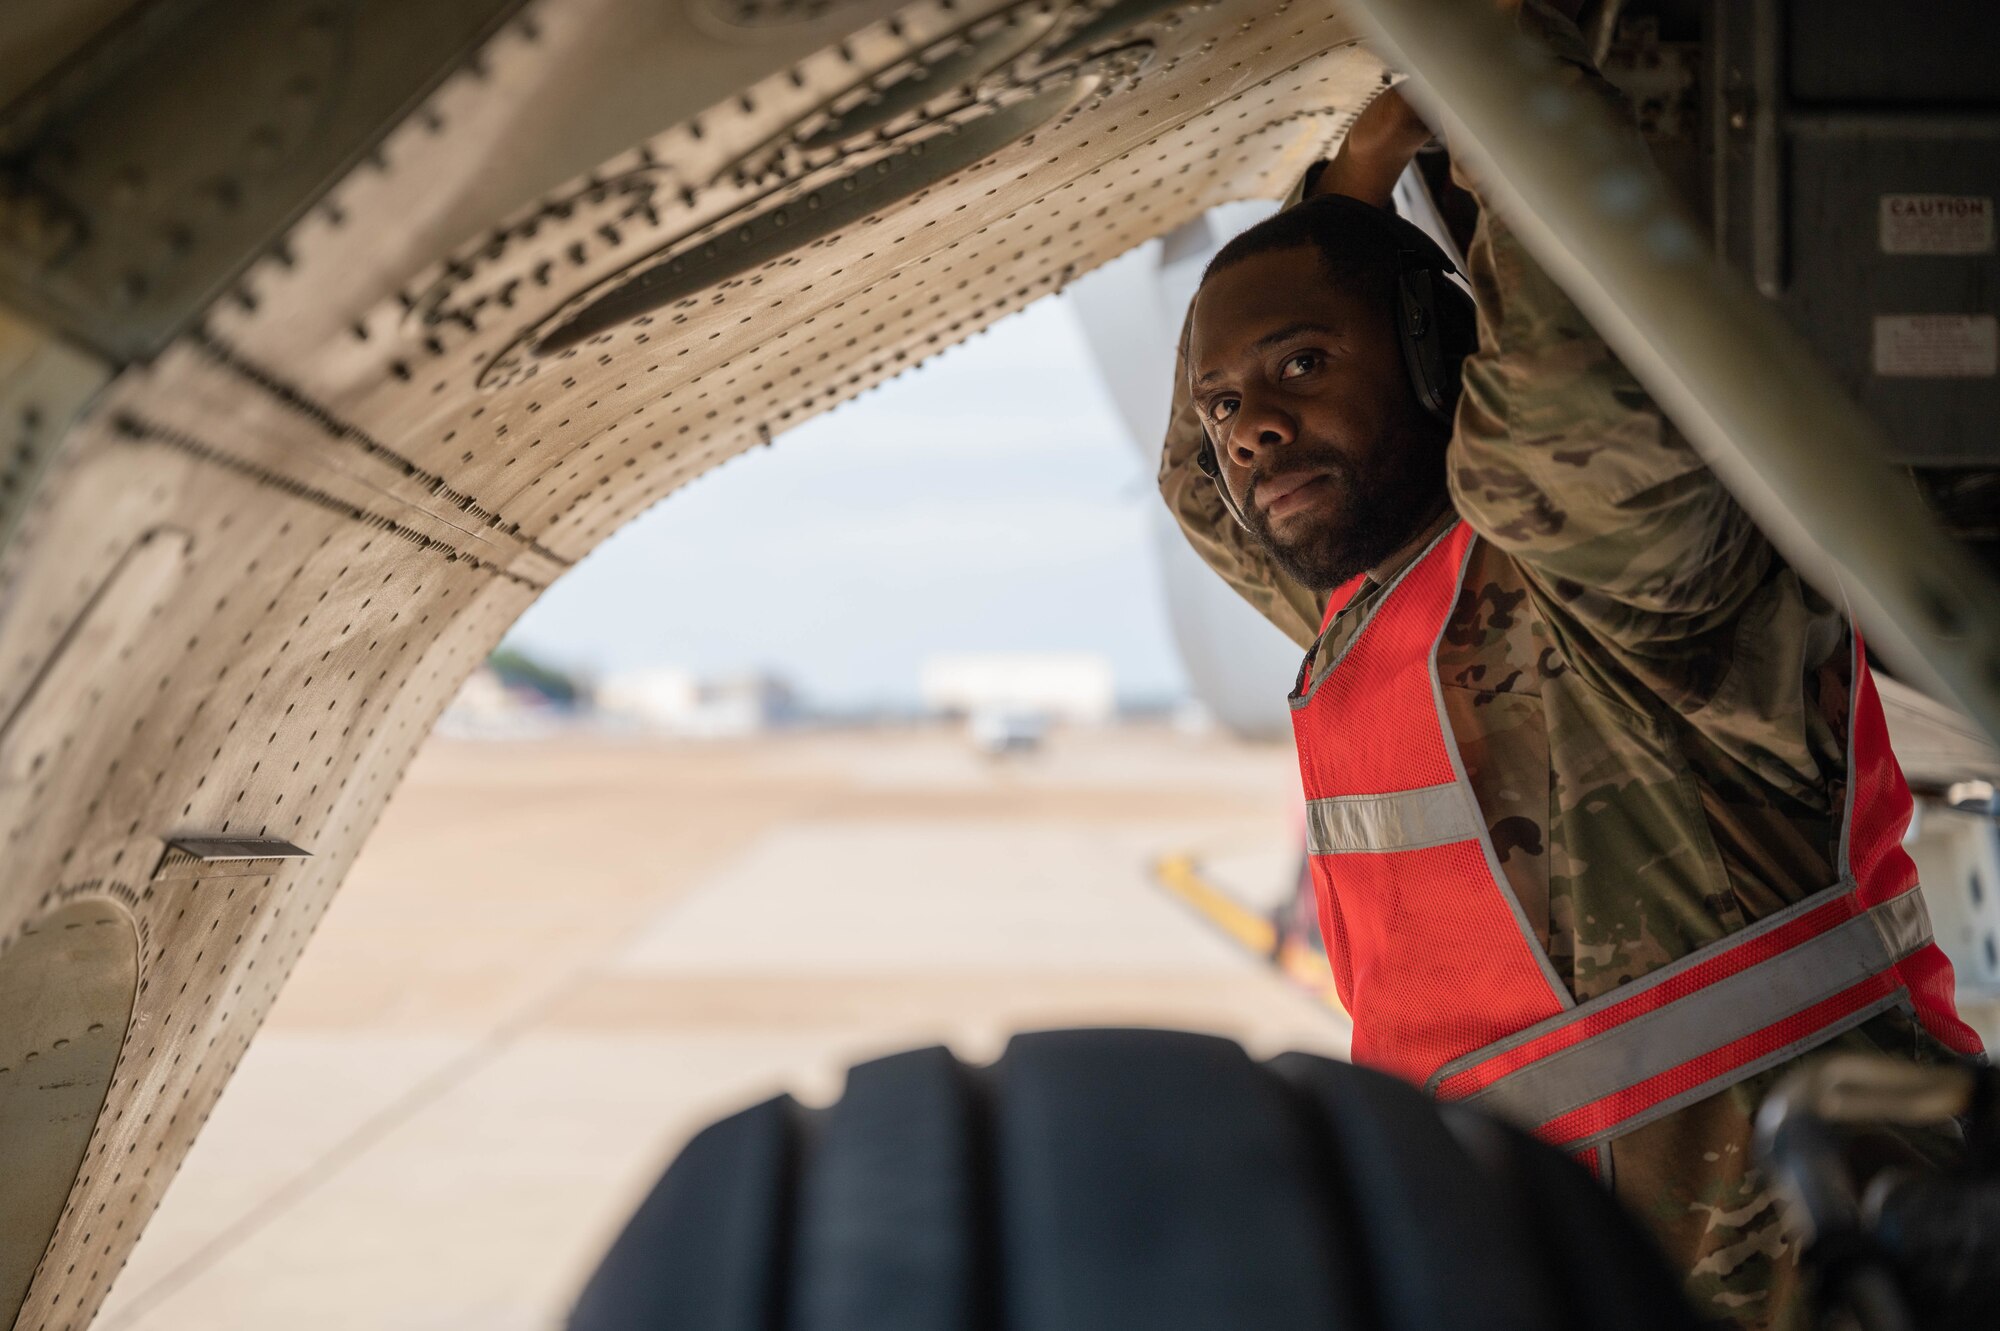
[66,988]
[263,561]
[145,172]
[40,36]
[44,385]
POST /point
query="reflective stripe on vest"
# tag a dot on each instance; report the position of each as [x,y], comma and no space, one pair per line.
[1450,987]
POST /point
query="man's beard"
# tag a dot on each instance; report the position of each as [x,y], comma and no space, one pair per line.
[1378,510]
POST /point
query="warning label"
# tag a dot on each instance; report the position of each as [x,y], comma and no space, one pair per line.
[1937,224]
[1937,346]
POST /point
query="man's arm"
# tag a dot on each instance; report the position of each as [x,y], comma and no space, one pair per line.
[1563,460]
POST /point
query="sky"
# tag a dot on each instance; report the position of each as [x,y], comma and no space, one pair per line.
[985,501]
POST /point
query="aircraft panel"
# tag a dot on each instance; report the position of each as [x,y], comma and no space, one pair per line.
[259,561]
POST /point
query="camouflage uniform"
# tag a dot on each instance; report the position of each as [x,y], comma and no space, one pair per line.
[1651,706]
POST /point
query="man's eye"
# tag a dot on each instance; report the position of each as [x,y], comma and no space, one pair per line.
[1304,362]
[1222,409]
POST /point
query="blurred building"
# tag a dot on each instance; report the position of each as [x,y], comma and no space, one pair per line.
[490,705]
[676,702]
[1059,686]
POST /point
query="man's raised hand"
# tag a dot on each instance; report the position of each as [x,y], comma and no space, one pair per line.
[1380,143]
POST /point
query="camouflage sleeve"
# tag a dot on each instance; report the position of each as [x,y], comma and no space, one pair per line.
[1561,459]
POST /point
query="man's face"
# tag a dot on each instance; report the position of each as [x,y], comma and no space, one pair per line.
[1322,445]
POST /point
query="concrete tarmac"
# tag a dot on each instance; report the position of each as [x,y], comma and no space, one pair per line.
[558,959]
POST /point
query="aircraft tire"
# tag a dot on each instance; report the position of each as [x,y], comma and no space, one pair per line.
[1121,1178]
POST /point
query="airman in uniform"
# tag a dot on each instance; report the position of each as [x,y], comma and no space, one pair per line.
[1650,706]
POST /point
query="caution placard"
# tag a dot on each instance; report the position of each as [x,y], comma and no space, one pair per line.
[1936,224]
[1937,346]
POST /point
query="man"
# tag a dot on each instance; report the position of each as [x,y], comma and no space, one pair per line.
[1577,744]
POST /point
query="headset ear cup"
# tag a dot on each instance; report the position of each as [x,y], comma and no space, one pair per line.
[1457,337]
[1422,335]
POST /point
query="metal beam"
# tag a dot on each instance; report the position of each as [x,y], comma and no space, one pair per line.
[1583,194]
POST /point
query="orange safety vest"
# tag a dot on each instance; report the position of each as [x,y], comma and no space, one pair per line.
[1450,988]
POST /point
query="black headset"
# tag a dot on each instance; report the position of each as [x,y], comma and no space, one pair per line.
[1423,280]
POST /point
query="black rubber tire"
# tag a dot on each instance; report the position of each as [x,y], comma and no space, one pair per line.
[1096,1179]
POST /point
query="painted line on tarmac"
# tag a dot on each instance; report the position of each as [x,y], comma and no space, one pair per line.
[1303,965]
[1178,874]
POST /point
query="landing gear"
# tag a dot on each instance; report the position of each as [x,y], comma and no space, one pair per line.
[1096,1179]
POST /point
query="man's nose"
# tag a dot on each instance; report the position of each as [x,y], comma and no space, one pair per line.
[1258,429]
